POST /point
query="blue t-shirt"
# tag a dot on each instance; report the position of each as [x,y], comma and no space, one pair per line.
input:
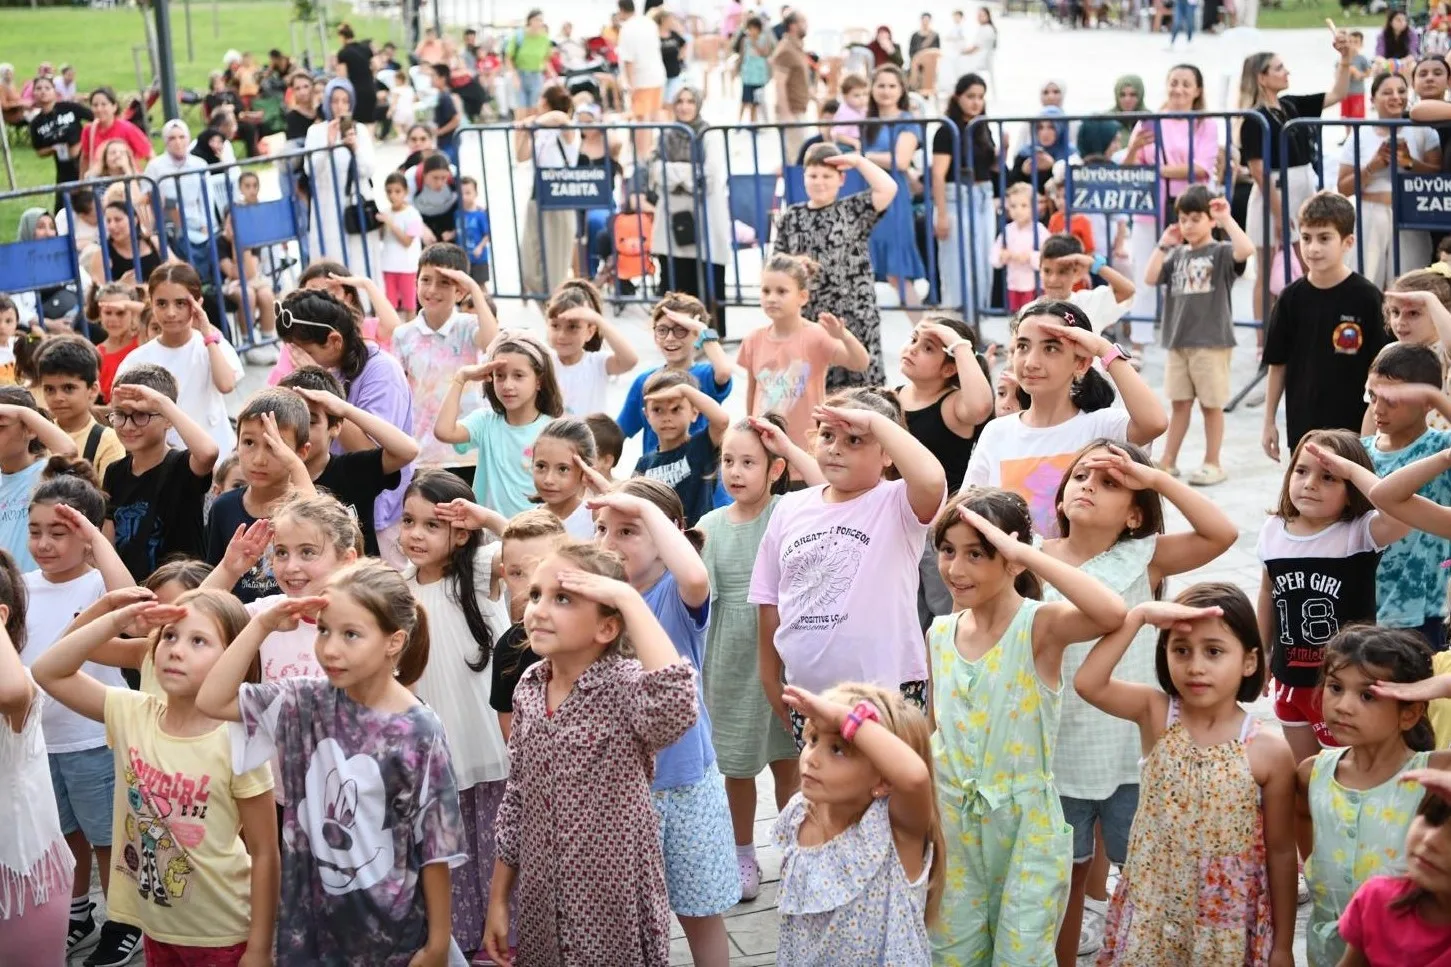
[632,414]
[476,229]
[683,763]
[227,514]
[1410,584]
[15,491]
[689,468]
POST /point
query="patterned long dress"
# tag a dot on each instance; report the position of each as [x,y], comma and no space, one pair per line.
[1196,887]
[576,820]
[837,238]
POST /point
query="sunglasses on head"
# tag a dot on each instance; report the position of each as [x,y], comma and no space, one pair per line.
[286,321]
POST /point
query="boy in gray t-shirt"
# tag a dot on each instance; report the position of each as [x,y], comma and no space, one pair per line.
[1198,327]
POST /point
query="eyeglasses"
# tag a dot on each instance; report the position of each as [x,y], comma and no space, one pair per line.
[665,332]
[118,418]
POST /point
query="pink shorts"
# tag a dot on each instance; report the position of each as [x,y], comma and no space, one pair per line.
[401,289]
[1017,298]
[1299,707]
[160,954]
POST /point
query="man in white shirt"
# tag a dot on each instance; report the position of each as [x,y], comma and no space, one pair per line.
[639,50]
[188,225]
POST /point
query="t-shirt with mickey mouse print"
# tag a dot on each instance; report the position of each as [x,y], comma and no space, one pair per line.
[1326,339]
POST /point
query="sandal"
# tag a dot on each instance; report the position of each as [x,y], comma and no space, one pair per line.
[1207,476]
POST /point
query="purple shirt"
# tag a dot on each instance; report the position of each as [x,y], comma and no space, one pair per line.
[382,390]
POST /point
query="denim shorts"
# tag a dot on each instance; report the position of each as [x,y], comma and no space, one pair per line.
[701,874]
[1115,814]
[83,783]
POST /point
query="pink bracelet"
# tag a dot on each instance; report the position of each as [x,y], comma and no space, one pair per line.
[864,712]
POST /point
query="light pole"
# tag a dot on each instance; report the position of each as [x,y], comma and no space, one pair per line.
[165,66]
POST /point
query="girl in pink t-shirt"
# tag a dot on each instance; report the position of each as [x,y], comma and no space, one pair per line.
[786,362]
[1394,920]
[836,575]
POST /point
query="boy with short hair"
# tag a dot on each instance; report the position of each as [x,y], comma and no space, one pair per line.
[687,458]
[440,339]
[681,326]
[1198,321]
[1062,265]
[1324,332]
[155,494]
[357,477]
[272,447]
[69,368]
[402,245]
[1404,385]
[609,442]
[1352,105]
[475,222]
[856,95]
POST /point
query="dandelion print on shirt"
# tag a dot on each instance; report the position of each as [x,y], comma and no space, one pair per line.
[378,802]
[823,573]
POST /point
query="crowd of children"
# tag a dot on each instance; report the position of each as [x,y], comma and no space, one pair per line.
[394,671]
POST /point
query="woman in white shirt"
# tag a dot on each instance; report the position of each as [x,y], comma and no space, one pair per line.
[546,254]
[1417,149]
[336,183]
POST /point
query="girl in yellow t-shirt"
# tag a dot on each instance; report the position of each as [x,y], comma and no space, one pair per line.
[185,877]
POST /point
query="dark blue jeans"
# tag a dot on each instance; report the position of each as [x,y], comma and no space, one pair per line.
[1185,15]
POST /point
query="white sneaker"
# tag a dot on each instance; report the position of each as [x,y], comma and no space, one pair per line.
[1090,935]
[261,355]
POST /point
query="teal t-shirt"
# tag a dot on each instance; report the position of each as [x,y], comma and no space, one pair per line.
[15,491]
[505,475]
[1410,584]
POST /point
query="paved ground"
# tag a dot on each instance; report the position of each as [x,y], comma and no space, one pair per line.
[1089,61]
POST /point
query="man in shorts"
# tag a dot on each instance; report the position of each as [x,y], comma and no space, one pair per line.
[1198,321]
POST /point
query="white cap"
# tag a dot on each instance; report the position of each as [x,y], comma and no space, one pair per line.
[175,124]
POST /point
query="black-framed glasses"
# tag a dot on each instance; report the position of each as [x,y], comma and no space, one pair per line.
[665,332]
[118,418]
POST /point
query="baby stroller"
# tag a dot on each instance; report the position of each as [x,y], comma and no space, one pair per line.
[630,264]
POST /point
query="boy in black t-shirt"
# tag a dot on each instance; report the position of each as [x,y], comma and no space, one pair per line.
[155,494]
[686,461]
[1324,333]
[358,477]
[272,447]
[55,130]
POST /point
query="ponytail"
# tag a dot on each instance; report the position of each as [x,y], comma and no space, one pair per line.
[414,657]
[1092,391]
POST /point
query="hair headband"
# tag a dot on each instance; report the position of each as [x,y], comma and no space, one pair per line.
[522,339]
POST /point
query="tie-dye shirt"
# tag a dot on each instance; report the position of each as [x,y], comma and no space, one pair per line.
[789,375]
[1031,461]
[1410,584]
[374,801]
[430,357]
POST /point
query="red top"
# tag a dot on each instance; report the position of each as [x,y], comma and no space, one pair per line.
[1079,228]
[110,362]
[94,135]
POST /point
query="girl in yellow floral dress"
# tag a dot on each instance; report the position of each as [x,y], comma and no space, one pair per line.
[996,675]
[1211,876]
[1354,802]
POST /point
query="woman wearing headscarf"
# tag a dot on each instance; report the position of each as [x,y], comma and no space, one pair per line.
[1048,143]
[687,260]
[339,166]
[1128,100]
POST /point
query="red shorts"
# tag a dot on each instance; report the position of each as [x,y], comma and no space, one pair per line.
[1018,298]
[1299,707]
[401,289]
[160,954]
[1352,106]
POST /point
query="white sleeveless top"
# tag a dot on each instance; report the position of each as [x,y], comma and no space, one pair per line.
[34,858]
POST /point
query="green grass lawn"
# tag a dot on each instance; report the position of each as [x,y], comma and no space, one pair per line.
[99,43]
[1312,13]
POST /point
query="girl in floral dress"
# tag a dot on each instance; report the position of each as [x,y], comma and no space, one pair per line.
[1211,875]
[589,868]
[372,831]
[996,677]
[1354,802]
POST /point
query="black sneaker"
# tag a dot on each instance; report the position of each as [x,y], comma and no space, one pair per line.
[118,944]
[82,933]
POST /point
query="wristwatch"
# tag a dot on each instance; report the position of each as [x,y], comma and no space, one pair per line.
[709,335]
[1098,263]
[863,712]
[211,338]
[1115,352]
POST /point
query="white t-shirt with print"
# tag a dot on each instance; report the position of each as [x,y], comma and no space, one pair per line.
[1031,461]
[50,608]
[584,384]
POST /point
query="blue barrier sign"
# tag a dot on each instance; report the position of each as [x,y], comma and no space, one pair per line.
[1113,189]
[37,264]
[573,188]
[1424,202]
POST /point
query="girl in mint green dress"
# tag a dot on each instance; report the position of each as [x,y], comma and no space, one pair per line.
[997,688]
[1358,803]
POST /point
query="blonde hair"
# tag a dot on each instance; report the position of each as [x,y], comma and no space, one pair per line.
[224,609]
[323,511]
[1019,190]
[381,591]
[593,559]
[802,270]
[528,524]
[1251,95]
[907,723]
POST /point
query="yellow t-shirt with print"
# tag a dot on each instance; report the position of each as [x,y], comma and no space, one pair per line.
[1439,711]
[180,871]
